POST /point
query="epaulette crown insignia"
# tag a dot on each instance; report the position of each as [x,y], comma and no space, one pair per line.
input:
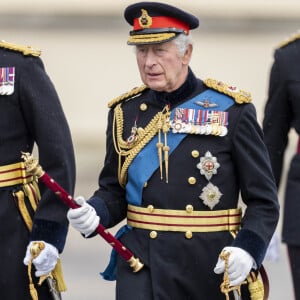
[238,95]
[290,39]
[127,95]
[26,50]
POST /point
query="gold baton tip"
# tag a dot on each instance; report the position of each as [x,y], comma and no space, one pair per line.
[135,264]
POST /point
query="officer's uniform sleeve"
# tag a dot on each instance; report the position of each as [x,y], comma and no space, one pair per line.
[48,126]
[258,189]
[109,200]
[277,117]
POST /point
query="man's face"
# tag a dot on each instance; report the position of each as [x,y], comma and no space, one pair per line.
[161,67]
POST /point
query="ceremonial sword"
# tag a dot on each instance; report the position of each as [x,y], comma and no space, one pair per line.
[32,166]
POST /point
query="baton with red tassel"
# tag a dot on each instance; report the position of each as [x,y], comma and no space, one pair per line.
[32,166]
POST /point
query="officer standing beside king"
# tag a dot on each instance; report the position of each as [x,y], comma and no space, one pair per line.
[282,113]
[180,153]
[33,221]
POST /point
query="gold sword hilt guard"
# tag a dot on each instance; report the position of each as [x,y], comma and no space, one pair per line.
[225,286]
[35,249]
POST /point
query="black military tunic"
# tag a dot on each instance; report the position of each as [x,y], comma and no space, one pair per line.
[282,112]
[179,265]
[30,114]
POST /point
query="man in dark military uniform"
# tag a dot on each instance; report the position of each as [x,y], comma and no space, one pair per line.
[180,151]
[31,114]
[282,112]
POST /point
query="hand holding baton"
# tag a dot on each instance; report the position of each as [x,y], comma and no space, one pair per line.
[32,166]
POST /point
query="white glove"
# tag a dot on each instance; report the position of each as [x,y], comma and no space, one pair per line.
[45,262]
[84,218]
[240,263]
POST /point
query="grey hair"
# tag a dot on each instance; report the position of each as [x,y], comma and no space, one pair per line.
[182,41]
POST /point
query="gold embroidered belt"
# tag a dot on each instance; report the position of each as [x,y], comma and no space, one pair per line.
[14,174]
[183,220]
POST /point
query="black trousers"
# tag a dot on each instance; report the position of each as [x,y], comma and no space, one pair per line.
[294,259]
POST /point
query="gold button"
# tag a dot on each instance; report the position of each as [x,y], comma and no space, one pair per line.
[143,107]
[145,184]
[153,234]
[189,234]
[189,208]
[195,153]
[150,208]
[192,180]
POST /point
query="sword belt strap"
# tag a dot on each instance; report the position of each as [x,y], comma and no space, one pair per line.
[14,174]
[183,220]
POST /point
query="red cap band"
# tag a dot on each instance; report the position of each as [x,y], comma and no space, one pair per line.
[162,22]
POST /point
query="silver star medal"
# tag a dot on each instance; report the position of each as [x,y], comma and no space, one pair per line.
[208,165]
[210,195]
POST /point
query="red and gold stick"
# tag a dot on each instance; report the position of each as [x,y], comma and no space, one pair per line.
[32,166]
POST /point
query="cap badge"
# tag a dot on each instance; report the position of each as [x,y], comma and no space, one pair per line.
[145,20]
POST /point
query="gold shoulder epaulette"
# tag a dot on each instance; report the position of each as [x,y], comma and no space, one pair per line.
[127,95]
[289,40]
[238,95]
[26,50]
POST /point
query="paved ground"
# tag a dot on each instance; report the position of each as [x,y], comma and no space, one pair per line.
[90,67]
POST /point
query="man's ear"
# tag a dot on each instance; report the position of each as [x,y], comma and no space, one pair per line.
[187,55]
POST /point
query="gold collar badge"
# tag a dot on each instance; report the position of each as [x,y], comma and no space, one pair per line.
[145,20]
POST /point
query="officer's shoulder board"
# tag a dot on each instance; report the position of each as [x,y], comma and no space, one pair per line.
[239,96]
[290,39]
[26,50]
[134,92]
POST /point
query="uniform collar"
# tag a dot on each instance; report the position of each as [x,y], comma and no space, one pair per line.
[180,94]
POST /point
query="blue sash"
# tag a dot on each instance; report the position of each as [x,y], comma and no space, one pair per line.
[146,162]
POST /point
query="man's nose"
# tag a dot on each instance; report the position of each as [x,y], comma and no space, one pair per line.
[150,59]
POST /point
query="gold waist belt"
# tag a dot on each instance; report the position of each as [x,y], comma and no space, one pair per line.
[183,220]
[14,174]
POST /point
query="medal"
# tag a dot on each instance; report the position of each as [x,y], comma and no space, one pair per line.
[7,80]
[133,136]
[210,195]
[208,165]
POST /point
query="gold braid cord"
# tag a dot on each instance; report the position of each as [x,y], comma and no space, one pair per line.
[225,285]
[129,151]
[238,95]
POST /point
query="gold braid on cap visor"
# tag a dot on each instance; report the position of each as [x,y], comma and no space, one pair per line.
[150,38]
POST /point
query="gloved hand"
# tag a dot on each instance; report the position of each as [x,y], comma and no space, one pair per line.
[45,261]
[84,218]
[240,263]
